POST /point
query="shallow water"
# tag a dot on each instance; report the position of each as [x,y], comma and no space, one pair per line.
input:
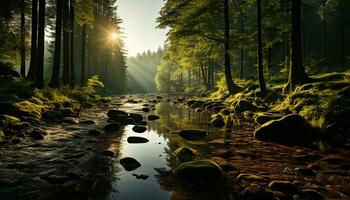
[69,149]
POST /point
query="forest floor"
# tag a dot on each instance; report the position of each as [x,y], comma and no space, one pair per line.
[272,147]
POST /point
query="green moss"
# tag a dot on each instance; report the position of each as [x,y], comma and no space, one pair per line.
[8,120]
[27,108]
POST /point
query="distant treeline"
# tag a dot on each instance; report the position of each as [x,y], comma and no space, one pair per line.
[142,70]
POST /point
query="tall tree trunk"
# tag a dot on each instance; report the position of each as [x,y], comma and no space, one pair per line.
[23,38]
[41,44]
[83,46]
[231,86]
[269,59]
[297,75]
[241,50]
[342,38]
[55,82]
[324,26]
[66,54]
[34,40]
[189,78]
[71,37]
[204,76]
[262,84]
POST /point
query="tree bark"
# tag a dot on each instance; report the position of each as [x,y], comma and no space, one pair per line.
[324,23]
[57,52]
[34,40]
[83,46]
[23,38]
[241,50]
[41,44]
[297,75]
[66,62]
[71,37]
[342,38]
[231,86]
[262,84]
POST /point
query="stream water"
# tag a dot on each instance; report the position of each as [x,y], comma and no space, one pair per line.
[68,163]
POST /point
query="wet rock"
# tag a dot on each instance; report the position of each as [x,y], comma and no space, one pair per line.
[193,134]
[153,117]
[314,166]
[225,111]
[218,122]
[333,159]
[136,117]
[141,123]
[142,176]
[256,192]
[137,140]
[37,134]
[87,122]
[112,128]
[130,164]
[139,129]
[145,110]
[70,120]
[108,153]
[199,170]
[117,115]
[305,171]
[243,105]
[250,177]
[266,117]
[52,115]
[61,179]
[184,154]
[67,112]
[292,129]
[308,194]
[248,114]
[94,132]
[199,110]
[282,186]
[19,126]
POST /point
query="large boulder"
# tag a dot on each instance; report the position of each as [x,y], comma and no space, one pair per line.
[291,129]
[137,140]
[198,171]
[193,134]
[112,128]
[218,122]
[243,105]
[263,118]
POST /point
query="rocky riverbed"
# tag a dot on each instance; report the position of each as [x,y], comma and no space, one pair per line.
[149,147]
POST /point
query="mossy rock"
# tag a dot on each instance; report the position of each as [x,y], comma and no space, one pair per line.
[199,171]
[243,105]
[218,122]
[117,114]
[8,120]
[112,128]
[27,108]
[291,129]
[262,118]
[52,115]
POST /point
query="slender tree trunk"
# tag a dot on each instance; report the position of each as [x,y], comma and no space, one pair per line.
[23,38]
[269,59]
[231,86]
[342,38]
[324,23]
[55,82]
[66,54]
[41,44]
[83,46]
[189,78]
[34,40]
[204,76]
[71,37]
[241,50]
[297,75]
[262,84]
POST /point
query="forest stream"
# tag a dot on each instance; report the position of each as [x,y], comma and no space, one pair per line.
[72,164]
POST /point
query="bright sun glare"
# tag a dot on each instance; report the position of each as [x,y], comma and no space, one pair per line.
[114,36]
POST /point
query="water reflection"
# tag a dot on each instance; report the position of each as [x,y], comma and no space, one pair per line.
[157,159]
